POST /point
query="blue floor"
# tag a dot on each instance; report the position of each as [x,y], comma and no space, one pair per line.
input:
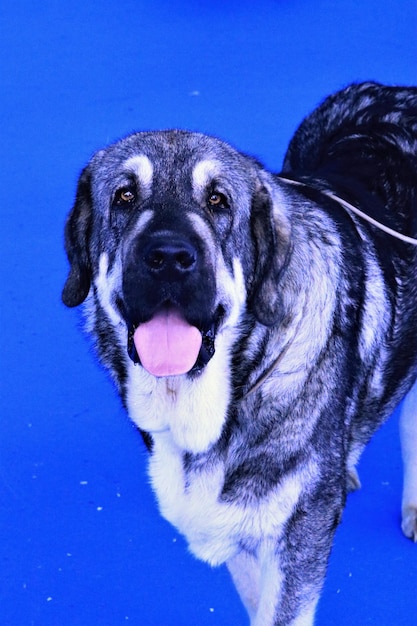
[82,543]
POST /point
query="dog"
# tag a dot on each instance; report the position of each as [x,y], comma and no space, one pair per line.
[259,328]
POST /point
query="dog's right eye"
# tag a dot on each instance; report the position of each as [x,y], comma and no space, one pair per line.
[125,195]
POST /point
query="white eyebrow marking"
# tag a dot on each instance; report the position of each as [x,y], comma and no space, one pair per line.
[141,166]
[204,171]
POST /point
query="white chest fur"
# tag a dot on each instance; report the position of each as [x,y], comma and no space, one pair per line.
[192,507]
[214,528]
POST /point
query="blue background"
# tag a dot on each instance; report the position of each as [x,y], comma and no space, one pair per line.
[82,543]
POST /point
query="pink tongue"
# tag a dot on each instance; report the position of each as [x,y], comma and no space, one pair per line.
[167,345]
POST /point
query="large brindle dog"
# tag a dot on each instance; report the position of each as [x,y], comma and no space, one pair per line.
[258,328]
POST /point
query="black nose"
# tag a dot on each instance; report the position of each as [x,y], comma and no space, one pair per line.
[170,260]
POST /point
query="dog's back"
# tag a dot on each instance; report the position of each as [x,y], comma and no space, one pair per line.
[362,145]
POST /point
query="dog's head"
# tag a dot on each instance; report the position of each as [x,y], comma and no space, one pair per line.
[174,235]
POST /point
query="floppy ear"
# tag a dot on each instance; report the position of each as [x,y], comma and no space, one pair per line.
[77,233]
[271,236]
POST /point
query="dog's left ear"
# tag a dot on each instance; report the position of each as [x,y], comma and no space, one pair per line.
[77,234]
[271,236]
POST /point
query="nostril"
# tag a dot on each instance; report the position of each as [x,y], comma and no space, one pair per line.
[155,259]
[185,259]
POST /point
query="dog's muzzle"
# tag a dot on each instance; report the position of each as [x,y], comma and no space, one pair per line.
[167,304]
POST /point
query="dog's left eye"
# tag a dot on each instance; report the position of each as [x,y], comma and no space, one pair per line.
[218,200]
[125,195]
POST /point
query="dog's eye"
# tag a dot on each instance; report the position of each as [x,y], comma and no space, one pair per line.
[218,200]
[125,195]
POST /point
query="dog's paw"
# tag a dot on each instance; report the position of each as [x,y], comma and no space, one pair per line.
[409,522]
[353,482]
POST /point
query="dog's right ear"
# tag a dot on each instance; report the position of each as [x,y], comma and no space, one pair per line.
[77,234]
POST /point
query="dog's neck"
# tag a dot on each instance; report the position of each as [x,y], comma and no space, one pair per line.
[351,208]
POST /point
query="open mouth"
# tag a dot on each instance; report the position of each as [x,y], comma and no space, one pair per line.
[168,345]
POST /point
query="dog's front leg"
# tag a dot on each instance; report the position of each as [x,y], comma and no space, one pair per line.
[408,429]
[245,571]
[263,589]
[280,584]
[258,579]
[287,595]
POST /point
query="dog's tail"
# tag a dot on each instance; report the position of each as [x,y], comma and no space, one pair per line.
[361,140]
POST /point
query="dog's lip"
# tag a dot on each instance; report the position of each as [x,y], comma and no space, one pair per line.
[208,335]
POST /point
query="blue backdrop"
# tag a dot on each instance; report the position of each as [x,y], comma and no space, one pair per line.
[82,543]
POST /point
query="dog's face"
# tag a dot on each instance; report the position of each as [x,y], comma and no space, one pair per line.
[176,234]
